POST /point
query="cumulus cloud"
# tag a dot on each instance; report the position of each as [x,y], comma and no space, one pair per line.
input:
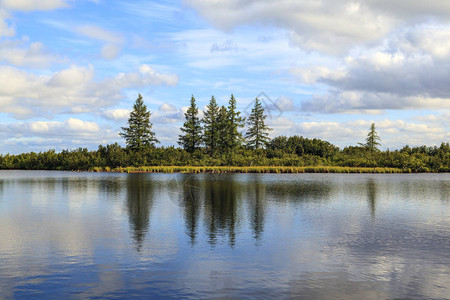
[314,25]
[5,28]
[54,129]
[57,128]
[117,114]
[41,135]
[166,107]
[26,95]
[328,26]
[20,53]
[407,73]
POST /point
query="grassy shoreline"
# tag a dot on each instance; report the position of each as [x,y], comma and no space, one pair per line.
[255,169]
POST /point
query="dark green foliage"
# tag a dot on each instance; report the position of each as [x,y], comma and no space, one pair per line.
[257,134]
[223,128]
[281,151]
[211,133]
[191,139]
[138,134]
[233,137]
[301,146]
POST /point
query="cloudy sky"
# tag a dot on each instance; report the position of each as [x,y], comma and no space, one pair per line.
[70,70]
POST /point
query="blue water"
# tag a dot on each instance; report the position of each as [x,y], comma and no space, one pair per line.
[309,236]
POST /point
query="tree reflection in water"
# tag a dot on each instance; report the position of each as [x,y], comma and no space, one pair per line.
[221,193]
[372,196]
[256,199]
[191,200]
[139,201]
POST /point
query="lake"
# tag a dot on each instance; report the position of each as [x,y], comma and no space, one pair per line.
[308,236]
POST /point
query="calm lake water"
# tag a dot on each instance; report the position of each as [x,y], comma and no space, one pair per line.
[308,236]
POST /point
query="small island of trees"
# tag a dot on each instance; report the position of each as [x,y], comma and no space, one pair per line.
[217,143]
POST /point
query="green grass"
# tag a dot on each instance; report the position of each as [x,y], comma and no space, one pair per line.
[256,169]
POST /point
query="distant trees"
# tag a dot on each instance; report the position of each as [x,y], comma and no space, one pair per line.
[372,139]
[191,139]
[138,134]
[258,132]
[220,143]
[299,145]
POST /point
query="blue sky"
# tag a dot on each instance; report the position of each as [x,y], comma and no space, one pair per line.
[71,69]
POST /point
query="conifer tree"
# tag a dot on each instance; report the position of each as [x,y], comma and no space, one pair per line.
[257,134]
[223,128]
[372,139]
[138,134]
[235,121]
[192,129]
[211,134]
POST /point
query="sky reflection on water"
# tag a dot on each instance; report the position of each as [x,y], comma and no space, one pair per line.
[234,235]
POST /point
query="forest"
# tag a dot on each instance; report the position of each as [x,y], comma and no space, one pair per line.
[217,140]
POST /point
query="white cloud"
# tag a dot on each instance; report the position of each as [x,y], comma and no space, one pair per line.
[69,127]
[117,114]
[5,28]
[316,73]
[59,128]
[25,95]
[30,5]
[100,34]
[166,107]
[72,77]
[110,51]
[328,26]
[113,40]
[20,53]
[41,135]
[408,72]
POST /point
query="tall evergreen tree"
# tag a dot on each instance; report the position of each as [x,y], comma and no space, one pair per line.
[235,121]
[192,129]
[211,134]
[257,134]
[372,139]
[138,134]
[223,128]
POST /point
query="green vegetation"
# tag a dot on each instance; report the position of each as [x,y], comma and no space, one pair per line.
[191,139]
[372,139]
[215,144]
[138,134]
[257,134]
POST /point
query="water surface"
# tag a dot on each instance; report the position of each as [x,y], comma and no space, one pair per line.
[333,236]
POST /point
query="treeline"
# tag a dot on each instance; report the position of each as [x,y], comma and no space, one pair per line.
[217,140]
[280,151]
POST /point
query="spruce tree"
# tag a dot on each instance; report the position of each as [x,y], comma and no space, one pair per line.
[192,129]
[235,121]
[211,135]
[372,139]
[223,128]
[138,134]
[257,134]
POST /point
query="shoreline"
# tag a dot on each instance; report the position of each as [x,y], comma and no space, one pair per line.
[256,169]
